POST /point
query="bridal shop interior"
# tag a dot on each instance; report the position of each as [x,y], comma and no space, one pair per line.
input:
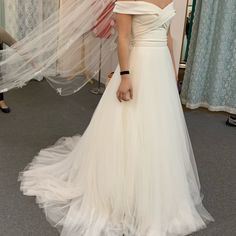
[36,116]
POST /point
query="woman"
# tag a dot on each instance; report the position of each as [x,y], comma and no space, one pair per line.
[132,172]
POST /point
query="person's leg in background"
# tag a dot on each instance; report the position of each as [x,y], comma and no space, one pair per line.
[231,121]
[3,106]
[8,40]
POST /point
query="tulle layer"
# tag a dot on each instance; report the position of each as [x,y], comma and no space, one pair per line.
[68,48]
[133,171]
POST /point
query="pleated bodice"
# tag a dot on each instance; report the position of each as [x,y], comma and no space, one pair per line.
[150,23]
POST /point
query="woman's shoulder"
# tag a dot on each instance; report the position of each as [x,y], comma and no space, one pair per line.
[138,7]
[126,1]
[124,6]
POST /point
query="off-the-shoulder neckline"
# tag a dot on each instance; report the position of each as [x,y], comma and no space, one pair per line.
[162,9]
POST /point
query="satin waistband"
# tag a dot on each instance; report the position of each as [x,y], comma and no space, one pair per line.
[146,43]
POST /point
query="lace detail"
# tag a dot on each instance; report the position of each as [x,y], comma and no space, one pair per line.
[211,69]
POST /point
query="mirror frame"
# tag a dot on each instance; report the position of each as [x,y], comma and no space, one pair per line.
[183,65]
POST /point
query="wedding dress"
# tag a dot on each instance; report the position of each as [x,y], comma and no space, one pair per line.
[132,172]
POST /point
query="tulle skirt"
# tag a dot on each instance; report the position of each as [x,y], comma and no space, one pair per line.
[133,171]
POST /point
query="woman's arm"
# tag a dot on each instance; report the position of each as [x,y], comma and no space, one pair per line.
[170,45]
[124,22]
[124,32]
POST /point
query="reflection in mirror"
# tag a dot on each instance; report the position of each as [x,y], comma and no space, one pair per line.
[187,31]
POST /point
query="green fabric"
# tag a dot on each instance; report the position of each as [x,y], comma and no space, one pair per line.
[210,77]
[190,28]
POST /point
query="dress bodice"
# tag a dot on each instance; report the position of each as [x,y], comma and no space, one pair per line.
[150,23]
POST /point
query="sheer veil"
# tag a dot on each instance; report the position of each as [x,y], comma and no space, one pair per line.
[83,28]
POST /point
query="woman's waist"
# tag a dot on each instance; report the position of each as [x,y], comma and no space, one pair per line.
[149,42]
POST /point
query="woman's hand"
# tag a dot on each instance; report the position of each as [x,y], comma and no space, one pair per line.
[124,25]
[125,90]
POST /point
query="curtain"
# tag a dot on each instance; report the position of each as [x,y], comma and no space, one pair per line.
[210,77]
[21,16]
[2,15]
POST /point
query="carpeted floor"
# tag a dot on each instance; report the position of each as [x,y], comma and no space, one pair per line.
[40,117]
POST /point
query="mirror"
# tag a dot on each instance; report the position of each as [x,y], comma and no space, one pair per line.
[187,32]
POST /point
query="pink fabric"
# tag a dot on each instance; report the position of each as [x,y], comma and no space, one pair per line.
[103,29]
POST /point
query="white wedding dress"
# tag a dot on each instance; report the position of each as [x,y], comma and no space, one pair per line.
[132,172]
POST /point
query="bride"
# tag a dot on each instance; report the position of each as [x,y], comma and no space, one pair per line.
[132,172]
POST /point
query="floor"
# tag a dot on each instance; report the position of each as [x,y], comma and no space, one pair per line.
[39,117]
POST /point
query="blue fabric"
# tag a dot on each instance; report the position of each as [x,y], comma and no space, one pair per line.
[210,77]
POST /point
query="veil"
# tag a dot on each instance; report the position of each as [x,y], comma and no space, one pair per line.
[84,28]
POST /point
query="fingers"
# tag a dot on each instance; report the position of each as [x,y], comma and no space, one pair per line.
[131,93]
[118,95]
[124,96]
